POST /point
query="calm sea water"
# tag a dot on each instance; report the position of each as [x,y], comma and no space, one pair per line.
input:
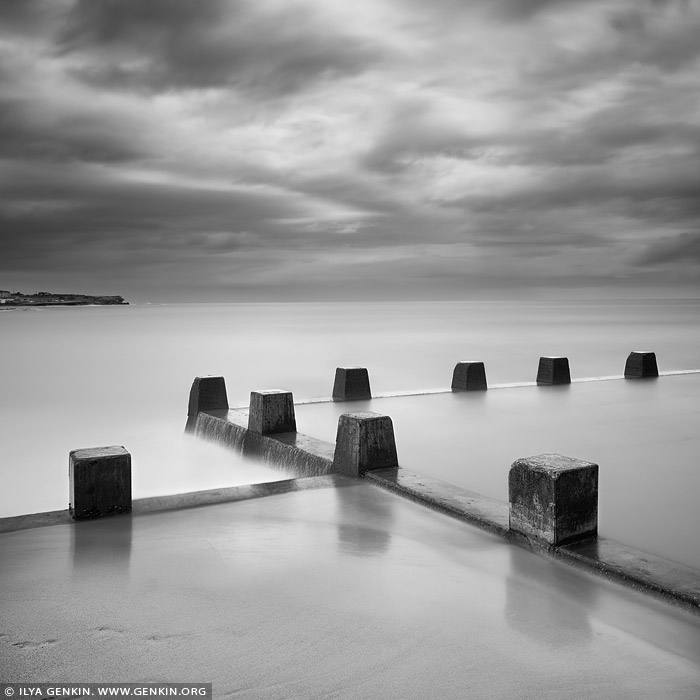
[82,377]
[642,434]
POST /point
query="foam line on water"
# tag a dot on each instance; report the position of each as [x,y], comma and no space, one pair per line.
[506,385]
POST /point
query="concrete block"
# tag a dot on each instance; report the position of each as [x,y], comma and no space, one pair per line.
[469,376]
[364,441]
[99,482]
[271,411]
[553,498]
[351,384]
[207,394]
[641,364]
[553,370]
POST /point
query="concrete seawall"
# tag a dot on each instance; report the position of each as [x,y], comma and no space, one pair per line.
[304,455]
[295,453]
[641,570]
[315,464]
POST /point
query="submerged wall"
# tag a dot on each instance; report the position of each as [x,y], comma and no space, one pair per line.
[292,453]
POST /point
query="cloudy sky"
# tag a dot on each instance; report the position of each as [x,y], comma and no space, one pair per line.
[321,149]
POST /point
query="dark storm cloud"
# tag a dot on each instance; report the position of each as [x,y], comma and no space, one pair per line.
[595,141]
[661,33]
[684,247]
[170,44]
[44,213]
[632,41]
[525,9]
[264,146]
[612,131]
[105,203]
[509,10]
[672,199]
[22,15]
[414,130]
[32,130]
[601,141]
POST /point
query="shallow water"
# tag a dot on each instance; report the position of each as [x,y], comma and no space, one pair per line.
[345,593]
[83,377]
[641,433]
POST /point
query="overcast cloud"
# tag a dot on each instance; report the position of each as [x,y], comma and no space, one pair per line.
[320,149]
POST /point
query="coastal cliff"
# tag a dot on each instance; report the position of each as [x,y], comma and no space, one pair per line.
[12,299]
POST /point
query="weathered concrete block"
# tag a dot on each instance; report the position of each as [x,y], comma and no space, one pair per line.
[641,364]
[553,370]
[207,394]
[469,376]
[351,384]
[99,482]
[272,411]
[554,498]
[365,440]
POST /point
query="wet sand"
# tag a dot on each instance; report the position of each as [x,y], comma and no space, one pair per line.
[347,592]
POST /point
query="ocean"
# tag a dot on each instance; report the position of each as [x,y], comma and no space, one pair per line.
[89,376]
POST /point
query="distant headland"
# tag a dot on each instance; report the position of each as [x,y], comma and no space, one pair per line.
[12,299]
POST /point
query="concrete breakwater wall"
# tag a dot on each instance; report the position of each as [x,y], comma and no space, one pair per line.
[553,499]
[268,432]
[291,451]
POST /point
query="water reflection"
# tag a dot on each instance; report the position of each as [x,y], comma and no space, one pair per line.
[103,547]
[629,428]
[546,601]
[364,521]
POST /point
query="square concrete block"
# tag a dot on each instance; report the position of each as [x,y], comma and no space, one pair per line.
[207,394]
[272,411]
[554,498]
[641,364]
[351,384]
[469,376]
[553,370]
[365,441]
[99,482]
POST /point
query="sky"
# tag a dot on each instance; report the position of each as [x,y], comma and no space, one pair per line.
[261,150]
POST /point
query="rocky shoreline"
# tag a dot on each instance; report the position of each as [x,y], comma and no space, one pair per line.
[15,299]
